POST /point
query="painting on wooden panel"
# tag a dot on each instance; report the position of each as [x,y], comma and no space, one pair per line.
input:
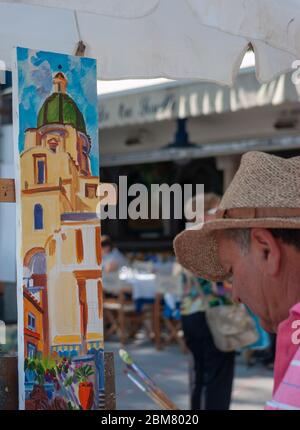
[59,255]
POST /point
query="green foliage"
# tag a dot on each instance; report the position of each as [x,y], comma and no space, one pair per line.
[71,407]
[45,369]
[48,370]
[69,381]
[82,373]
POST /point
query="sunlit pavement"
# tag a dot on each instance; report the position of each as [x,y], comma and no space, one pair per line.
[169,368]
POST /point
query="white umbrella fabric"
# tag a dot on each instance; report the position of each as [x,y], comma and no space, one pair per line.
[202,39]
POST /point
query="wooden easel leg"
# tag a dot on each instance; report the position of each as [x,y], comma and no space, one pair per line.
[110,387]
[9,383]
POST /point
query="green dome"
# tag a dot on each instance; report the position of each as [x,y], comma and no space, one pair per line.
[59,108]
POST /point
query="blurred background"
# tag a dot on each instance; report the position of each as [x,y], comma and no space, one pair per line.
[162,131]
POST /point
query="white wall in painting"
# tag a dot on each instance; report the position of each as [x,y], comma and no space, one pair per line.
[89,246]
[94,321]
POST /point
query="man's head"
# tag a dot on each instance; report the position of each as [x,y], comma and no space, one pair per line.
[265,270]
[255,234]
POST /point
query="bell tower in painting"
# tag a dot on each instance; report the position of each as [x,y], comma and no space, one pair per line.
[59,202]
[60,286]
[58,114]
[59,83]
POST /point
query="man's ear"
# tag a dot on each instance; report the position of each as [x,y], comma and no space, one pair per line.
[266,249]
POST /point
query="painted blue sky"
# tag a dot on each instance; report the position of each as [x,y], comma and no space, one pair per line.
[35,73]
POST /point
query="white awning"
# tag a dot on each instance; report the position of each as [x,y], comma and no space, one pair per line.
[177,39]
[183,99]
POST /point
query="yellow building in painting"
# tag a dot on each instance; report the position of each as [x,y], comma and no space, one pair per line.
[60,232]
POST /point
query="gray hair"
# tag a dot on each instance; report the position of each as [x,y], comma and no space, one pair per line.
[242,236]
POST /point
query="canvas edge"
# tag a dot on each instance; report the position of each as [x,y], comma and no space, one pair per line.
[19,268]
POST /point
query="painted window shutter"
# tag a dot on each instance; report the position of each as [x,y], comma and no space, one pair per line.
[38,217]
[98,245]
[79,246]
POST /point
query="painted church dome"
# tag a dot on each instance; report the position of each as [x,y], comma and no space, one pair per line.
[59,108]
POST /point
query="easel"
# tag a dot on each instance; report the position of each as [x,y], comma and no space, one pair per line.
[9,364]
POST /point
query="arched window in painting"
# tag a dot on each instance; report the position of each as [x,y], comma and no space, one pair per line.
[38,217]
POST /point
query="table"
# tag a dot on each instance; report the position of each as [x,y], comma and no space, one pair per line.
[144,285]
[147,288]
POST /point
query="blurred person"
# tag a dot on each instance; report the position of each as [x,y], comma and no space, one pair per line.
[254,239]
[259,350]
[269,359]
[112,258]
[211,371]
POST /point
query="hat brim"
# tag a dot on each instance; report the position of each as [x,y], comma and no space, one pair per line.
[196,248]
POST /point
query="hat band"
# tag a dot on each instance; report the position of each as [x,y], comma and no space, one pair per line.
[270,212]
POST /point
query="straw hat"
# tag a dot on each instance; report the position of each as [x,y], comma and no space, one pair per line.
[265,192]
